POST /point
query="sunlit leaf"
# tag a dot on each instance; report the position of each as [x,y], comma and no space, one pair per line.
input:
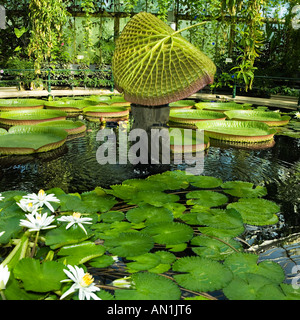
[243,189]
[206,198]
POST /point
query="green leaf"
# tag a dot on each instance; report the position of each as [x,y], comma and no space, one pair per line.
[222,223]
[154,65]
[213,248]
[171,180]
[201,274]
[256,211]
[169,233]
[80,253]
[155,198]
[149,286]
[205,182]
[149,214]
[129,244]
[142,262]
[246,288]
[281,292]
[112,216]
[243,189]
[206,198]
[243,263]
[61,236]
[39,277]
[101,262]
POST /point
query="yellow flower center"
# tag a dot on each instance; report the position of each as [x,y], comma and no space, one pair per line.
[30,204]
[41,192]
[76,215]
[86,280]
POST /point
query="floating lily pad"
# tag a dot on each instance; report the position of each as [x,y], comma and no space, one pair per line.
[20,104]
[270,118]
[155,198]
[243,189]
[182,104]
[129,244]
[108,113]
[31,139]
[80,253]
[214,249]
[206,198]
[149,286]
[219,106]
[256,211]
[40,277]
[187,142]
[204,182]
[154,65]
[237,131]
[69,106]
[201,274]
[72,127]
[194,116]
[30,117]
[169,233]
[149,214]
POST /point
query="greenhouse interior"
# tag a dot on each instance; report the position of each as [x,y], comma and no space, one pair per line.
[150,150]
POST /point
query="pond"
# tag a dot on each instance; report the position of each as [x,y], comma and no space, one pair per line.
[74,168]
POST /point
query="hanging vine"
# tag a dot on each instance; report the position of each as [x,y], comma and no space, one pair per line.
[47,19]
[88,8]
[251,41]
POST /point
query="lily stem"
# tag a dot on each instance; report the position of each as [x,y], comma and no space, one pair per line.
[2,295]
[35,243]
[189,27]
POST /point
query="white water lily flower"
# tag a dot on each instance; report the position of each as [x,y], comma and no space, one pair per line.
[4,276]
[82,282]
[75,218]
[41,199]
[1,198]
[27,206]
[37,221]
[2,233]
[122,283]
[297,115]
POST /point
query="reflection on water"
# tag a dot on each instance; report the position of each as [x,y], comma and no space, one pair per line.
[74,168]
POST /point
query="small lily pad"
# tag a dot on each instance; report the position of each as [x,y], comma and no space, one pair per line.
[40,277]
[243,189]
[149,286]
[169,233]
[129,244]
[201,274]
[206,198]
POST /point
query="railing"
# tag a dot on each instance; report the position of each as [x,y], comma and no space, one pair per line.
[57,77]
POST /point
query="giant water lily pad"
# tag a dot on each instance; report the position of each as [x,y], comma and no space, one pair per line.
[69,106]
[219,106]
[20,104]
[154,65]
[31,139]
[106,112]
[237,131]
[182,141]
[194,116]
[182,104]
[72,127]
[30,117]
[271,118]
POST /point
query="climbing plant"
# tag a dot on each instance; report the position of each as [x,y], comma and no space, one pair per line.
[47,20]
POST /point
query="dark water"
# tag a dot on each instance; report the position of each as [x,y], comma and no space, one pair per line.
[74,168]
